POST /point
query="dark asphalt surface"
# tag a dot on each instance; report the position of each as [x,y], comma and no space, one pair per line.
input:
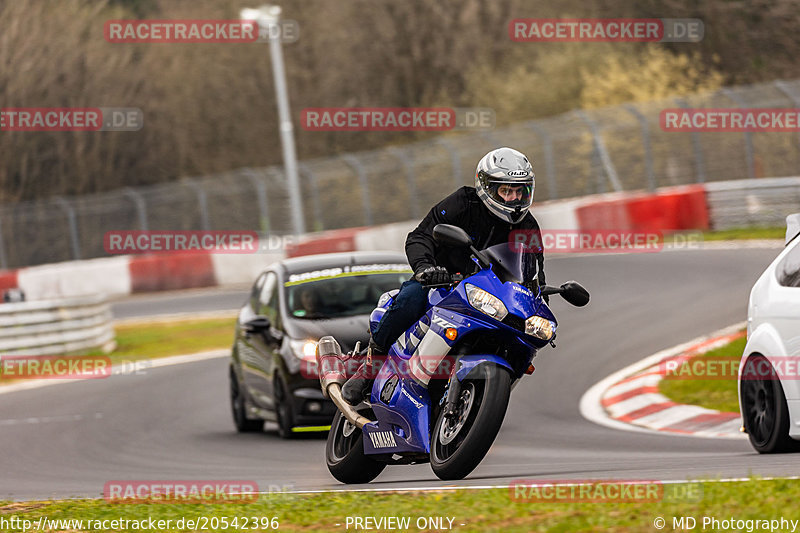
[174,422]
[176,302]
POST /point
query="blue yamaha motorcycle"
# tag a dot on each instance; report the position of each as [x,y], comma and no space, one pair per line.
[441,393]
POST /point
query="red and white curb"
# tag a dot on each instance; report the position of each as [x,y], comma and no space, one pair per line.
[629,399]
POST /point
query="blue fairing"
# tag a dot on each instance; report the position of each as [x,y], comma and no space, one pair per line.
[469,362]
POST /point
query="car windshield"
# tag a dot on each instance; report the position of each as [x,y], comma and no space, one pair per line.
[513,262]
[340,296]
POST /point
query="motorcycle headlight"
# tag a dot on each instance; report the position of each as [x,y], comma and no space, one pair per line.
[485,303]
[539,327]
[305,350]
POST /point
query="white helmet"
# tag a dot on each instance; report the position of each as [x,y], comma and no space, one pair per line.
[510,168]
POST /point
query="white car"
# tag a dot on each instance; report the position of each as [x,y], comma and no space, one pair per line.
[769,373]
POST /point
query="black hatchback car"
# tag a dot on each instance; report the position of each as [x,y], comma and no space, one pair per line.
[291,305]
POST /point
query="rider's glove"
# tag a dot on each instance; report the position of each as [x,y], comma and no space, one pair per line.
[433,275]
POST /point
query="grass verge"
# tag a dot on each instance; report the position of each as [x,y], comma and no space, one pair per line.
[470,510]
[162,339]
[719,394]
[745,233]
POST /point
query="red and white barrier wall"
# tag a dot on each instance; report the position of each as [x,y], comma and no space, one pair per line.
[677,208]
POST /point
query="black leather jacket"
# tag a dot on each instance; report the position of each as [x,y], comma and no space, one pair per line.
[464,209]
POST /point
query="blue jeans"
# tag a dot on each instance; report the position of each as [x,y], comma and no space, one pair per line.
[406,308]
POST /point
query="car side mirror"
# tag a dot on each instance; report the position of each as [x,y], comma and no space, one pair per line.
[574,293]
[257,324]
[451,235]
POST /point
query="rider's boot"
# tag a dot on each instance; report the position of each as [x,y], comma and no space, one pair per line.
[357,388]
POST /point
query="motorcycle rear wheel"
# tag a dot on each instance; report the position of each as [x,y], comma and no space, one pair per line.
[460,443]
[344,453]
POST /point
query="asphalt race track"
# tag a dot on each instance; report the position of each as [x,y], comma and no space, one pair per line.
[174,422]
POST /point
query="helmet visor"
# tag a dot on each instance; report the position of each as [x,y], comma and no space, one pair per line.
[511,194]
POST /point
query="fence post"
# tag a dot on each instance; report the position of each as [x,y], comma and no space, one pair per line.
[549,162]
[749,152]
[784,88]
[455,161]
[202,202]
[140,204]
[261,196]
[73,225]
[599,176]
[600,147]
[319,224]
[648,150]
[3,259]
[354,163]
[403,156]
[699,160]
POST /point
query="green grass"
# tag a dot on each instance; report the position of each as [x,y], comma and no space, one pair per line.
[162,339]
[745,233]
[719,394]
[478,510]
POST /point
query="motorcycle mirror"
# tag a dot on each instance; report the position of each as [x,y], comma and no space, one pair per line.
[574,293]
[451,235]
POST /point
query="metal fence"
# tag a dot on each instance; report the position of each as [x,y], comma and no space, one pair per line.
[574,154]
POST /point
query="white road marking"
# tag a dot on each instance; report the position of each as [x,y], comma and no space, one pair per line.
[117,369]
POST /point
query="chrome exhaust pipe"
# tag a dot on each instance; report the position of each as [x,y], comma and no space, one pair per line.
[335,393]
[332,376]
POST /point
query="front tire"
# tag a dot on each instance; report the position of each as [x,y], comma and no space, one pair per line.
[344,453]
[283,409]
[459,444]
[764,409]
[238,409]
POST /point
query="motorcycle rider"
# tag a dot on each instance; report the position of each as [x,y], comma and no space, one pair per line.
[497,205]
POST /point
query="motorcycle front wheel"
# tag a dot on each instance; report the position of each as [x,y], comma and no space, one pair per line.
[459,443]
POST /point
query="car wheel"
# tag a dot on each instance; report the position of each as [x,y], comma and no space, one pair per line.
[766,416]
[238,410]
[283,410]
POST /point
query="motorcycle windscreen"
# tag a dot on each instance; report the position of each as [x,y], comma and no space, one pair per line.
[513,262]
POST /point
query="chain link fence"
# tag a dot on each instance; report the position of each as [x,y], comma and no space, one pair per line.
[574,154]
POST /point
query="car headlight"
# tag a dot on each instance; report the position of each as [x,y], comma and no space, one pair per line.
[539,327]
[303,349]
[486,303]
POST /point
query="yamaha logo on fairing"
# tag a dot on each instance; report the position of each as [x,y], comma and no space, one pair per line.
[382,439]
[517,173]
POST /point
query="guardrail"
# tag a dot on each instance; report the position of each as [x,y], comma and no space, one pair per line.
[752,203]
[51,327]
